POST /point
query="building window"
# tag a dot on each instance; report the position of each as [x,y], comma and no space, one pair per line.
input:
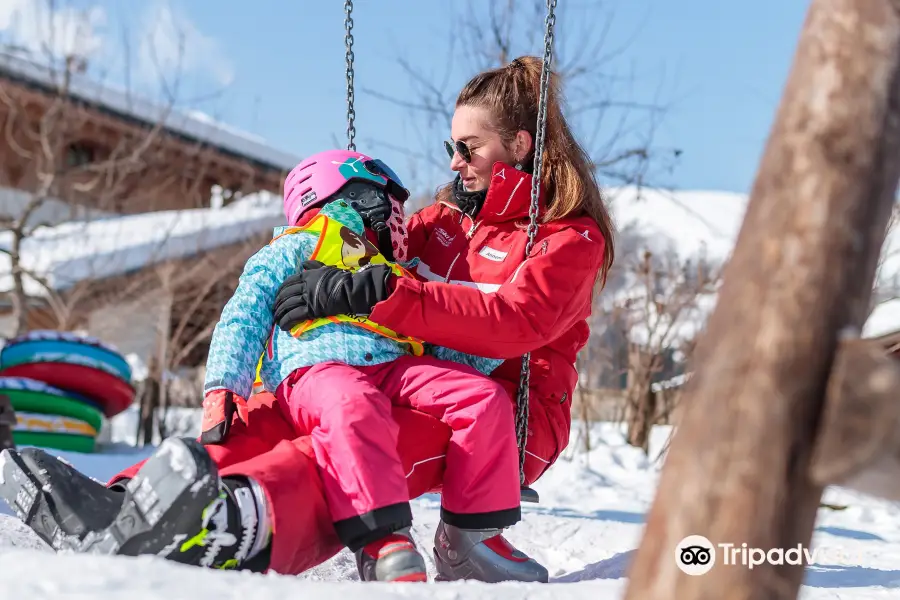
[79,154]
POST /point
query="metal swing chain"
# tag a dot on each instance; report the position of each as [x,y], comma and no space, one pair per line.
[348,43]
[522,396]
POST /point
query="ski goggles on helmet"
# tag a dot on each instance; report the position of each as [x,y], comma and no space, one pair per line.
[453,147]
[394,186]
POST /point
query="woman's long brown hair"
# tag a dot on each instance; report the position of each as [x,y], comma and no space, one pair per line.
[511,94]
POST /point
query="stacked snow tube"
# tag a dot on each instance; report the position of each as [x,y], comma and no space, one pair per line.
[63,388]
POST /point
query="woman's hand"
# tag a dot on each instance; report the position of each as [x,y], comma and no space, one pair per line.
[325,291]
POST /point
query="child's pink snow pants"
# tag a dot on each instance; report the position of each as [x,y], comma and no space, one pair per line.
[348,411]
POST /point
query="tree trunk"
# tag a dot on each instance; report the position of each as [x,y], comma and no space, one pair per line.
[149,404]
[641,399]
[7,422]
[162,412]
[642,418]
[800,278]
[18,298]
[155,391]
[585,398]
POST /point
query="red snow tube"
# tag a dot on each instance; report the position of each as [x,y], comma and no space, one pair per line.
[112,393]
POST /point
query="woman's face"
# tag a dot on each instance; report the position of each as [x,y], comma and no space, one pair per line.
[470,127]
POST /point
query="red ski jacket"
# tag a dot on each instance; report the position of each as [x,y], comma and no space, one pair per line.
[480,296]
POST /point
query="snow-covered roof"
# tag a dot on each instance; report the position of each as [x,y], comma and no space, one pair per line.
[76,251]
[194,125]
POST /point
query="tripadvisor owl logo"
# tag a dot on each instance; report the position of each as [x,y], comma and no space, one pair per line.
[695,555]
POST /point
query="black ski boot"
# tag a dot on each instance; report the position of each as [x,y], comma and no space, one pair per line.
[60,504]
[178,508]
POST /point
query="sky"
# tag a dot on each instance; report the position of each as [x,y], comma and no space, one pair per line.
[703,77]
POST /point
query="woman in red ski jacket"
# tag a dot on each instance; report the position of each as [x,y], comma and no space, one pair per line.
[479,293]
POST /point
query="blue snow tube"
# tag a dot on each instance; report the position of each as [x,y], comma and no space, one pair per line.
[54,346]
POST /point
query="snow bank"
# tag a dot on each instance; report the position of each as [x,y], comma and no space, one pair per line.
[692,223]
[179,421]
[705,224]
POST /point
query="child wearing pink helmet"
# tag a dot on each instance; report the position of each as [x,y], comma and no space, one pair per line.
[337,377]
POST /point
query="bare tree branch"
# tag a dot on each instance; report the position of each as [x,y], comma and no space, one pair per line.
[618,131]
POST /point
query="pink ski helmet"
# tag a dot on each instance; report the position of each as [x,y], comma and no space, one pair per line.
[318,179]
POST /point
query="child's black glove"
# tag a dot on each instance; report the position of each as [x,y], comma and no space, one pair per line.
[325,291]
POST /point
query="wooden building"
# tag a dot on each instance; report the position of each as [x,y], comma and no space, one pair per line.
[134,197]
[151,157]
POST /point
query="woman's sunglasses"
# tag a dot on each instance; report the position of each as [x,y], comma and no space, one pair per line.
[453,147]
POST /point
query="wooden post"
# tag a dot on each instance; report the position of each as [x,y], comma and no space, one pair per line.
[800,278]
[858,445]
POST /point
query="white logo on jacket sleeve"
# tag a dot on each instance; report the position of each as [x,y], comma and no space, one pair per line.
[443,237]
[491,254]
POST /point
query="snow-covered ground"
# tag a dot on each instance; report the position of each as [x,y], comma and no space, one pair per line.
[589,521]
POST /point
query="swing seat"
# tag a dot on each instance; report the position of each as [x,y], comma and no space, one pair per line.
[529,495]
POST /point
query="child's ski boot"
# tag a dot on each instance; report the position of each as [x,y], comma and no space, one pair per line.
[393,558]
[482,555]
[177,507]
[57,502]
